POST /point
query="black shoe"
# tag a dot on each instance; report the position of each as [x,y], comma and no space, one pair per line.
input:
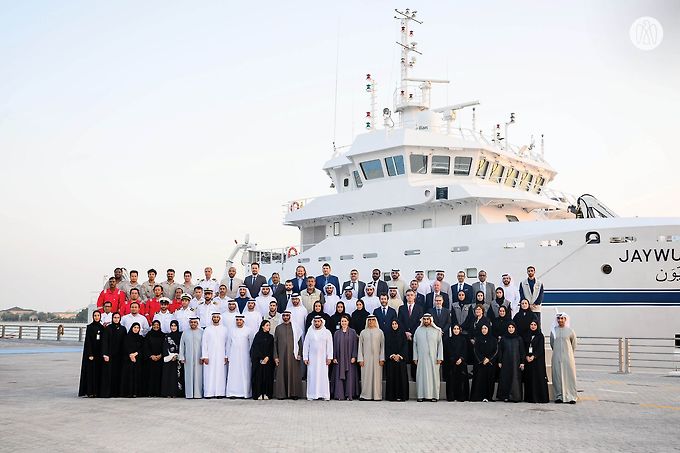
[420,400]
[558,401]
[434,400]
[572,402]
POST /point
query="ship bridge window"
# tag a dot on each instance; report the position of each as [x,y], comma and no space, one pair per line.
[461,165]
[497,172]
[357,179]
[395,165]
[525,182]
[511,177]
[372,169]
[539,184]
[482,167]
[418,163]
[512,218]
[441,165]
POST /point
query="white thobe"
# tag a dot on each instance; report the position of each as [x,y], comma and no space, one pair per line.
[424,287]
[205,311]
[262,304]
[330,303]
[371,303]
[317,348]
[238,351]
[214,348]
[229,319]
[512,295]
[298,316]
[253,320]
[350,305]
[107,318]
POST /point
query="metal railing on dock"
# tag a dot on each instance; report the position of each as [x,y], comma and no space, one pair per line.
[61,332]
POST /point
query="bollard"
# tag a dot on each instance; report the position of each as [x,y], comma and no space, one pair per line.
[80,334]
[20,331]
[3,331]
[621,360]
[627,355]
[60,332]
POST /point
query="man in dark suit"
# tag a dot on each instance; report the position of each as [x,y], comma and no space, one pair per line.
[380,285]
[276,285]
[300,279]
[358,287]
[436,291]
[420,299]
[283,298]
[255,281]
[409,319]
[325,278]
[462,286]
[441,315]
[385,314]
[488,288]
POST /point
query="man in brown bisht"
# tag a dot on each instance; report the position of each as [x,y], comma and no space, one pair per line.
[371,358]
[287,356]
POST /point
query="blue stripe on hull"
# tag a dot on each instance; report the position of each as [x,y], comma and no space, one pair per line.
[610,298]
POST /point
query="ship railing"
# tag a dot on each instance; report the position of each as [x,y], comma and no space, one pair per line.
[294,205]
[60,332]
[626,355]
[277,255]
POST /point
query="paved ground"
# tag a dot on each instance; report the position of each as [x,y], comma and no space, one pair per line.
[39,411]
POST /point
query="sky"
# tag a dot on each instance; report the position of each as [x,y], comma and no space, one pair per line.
[155,133]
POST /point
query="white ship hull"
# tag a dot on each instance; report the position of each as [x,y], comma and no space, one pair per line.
[639,298]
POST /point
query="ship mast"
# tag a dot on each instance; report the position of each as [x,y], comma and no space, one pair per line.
[405,19]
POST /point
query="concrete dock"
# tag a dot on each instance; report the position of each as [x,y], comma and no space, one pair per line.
[39,411]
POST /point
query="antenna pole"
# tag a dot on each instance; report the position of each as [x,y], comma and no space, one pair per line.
[405,18]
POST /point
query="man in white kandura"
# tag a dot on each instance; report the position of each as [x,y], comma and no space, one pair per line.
[317,352]
[428,354]
[238,354]
[214,358]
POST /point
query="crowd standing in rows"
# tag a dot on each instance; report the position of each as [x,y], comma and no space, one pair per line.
[260,338]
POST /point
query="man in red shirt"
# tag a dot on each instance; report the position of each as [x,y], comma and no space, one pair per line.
[124,307]
[111,294]
[177,301]
[153,305]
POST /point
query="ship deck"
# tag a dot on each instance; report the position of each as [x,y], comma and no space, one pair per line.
[40,410]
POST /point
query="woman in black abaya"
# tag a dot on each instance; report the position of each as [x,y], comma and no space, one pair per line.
[90,369]
[358,321]
[262,359]
[172,380]
[112,353]
[485,350]
[153,354]
[535,376]
[523,317]
[457,382]
[511,363]
[131,375]
[396,353]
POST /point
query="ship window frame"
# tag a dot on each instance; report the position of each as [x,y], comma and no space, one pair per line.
[419,168]
[375,172]
[426,222]
[387,227]
[395,165]
[459,168]
[336,228]
[438,168]
[511,177]
[466,219]
[526,181]
[345,182]
[511,218]
[482,167]
[538,187]
[357,179]
[495,167]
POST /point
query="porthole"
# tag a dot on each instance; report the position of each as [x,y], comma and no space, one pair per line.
[606,269]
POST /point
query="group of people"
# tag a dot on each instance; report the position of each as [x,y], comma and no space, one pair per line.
[260,338]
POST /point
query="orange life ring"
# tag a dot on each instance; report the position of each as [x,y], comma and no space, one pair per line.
[292,251]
